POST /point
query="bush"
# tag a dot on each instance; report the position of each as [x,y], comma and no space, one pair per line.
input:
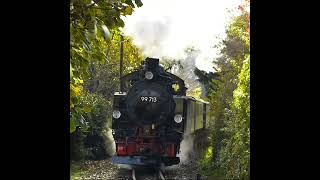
[77,149]
[99,144]
[96,141]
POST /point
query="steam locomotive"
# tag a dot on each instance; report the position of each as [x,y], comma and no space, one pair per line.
[152,115]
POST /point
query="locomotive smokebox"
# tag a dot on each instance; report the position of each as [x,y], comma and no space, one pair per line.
[149,103]
[150,100]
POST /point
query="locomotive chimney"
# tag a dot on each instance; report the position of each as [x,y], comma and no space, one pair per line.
[121,62]
[152,62]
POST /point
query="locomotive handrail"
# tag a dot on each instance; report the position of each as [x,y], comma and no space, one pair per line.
[191,98]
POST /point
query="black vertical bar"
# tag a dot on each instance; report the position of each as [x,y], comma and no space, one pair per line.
[198,176]
[204,122]
[121,62]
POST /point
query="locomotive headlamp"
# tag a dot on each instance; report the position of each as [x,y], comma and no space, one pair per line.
[178,118]
[116,114]
[148,75]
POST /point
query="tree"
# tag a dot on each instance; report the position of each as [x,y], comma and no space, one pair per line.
[235,157]
[90,25]
[235,154]
[206,80]
[229,96]
[103,77]
[94,71]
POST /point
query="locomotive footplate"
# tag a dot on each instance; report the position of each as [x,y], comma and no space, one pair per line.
[143,160]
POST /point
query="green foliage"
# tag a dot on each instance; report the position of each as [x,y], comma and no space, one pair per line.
[76,107]
[77,150]
[235,157]
[206,161]
[96,95]
[229,96]
[196,92]
[94,71]
[90,26]
[206,78]
[95,116]
[132,54]
[96,111]
[138,3]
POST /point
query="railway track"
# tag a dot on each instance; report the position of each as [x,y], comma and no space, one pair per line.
[150,173]
[142,173]
[147,173]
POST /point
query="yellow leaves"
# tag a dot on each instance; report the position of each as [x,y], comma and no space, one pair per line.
[77,50]
[127,11]
[196,93]
[72,125]
[78,81]
[208,154]
[75,89]
[81,25]
[87,109]
[238,93]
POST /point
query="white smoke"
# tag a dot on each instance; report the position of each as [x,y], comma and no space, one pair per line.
[186,149]
[188,63]
[153,34]
[165,28]
[111,147]
[150,35]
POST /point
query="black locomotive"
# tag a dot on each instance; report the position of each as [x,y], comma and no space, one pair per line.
[151,116]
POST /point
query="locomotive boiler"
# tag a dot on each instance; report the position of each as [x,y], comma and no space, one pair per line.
[151,114]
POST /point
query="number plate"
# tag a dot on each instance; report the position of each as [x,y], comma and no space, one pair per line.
[148,99]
